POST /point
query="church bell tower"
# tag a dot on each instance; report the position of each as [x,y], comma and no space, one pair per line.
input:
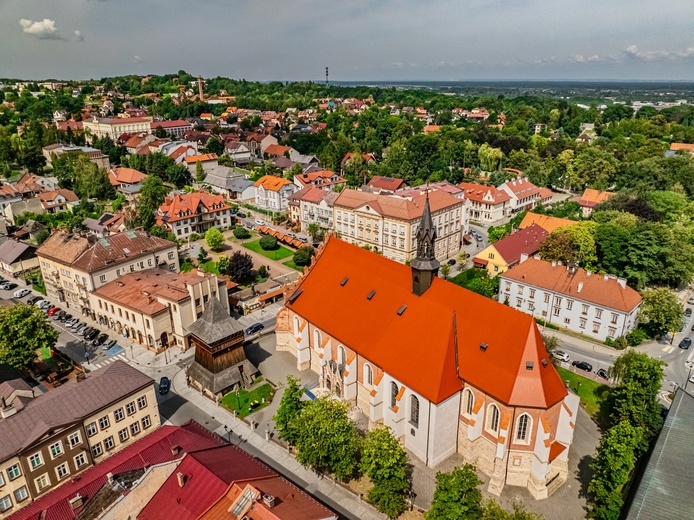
[425,266]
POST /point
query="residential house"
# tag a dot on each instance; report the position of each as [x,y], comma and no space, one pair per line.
[592,198]
[126,180]
[114,482]
[238,152]
[57,201]
[257,296]
[272,193]
[258,143]
[12,211]
[179,152]
[29,185]
[8,195]
[29,231]
[457,383]
[56,150]
[684,147]
[500,256]
[73,265]
[276,150]
[17,257]
[312,206]
[155,307]
[488,204]
[322,179]
[48,439]
[175,128]
[113,127]
[232,185]
[387,184]
[524,194]
[188,213]
[388,223]
[599,306]
[366,157]
[139,143]
[208,161]
[546,222]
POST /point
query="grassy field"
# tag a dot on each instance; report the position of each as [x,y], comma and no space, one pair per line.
[290,263]
[278,254]
[591,392]
[245,402]
[210,267]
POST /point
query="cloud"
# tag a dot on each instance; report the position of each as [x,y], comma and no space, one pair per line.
[634,53]
[137,59]
[43,30]
[78,36]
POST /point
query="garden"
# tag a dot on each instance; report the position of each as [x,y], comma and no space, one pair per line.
[245,402]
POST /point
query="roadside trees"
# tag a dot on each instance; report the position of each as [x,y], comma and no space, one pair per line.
[214,239]
[23,330]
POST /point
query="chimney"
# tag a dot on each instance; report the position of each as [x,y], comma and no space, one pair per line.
[109,477]
[580,286]
[269,500]
[606,277]
[7,409]
[181,479]
[76,501]
[622,282]
[554,263]
[175,450]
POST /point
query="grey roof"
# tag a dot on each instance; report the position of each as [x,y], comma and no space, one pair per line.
[664,491]
[68,404]
[221,381]
[13,250]
[226,178]
[215,323]
[27,206]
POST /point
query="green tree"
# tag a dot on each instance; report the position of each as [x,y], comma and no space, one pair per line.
[289,409]
[241,233]
[268,243]
[152,193]
[313,230]
[445,271]
[551,343]
[23,330]
[263,271]
[202,256]
[660,311]
[240,266]
[491,510]
[214,239]
[490,158]
[199,172]
[572,244]
[457,495]
[91,182]
[327,439]
[223,264]
[303,255]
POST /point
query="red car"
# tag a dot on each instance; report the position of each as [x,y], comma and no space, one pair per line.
[53,310]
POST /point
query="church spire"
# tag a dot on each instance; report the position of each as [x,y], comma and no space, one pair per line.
[425,266]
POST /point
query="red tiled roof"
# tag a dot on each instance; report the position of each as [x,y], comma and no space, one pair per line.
[118,176]
[521,187]
[394,206]
[307,179]
[429,330]
[682,146]
[526,241]
[591,198]
[187,205]
[368,157]
[603,290]
[386,183]
[277,149]
[204,157]
[272,182]
[170,124]
[49,196]
[480,193]
[154,448]
[546,193]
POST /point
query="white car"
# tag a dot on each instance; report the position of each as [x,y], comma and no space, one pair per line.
[259,222]
[43,304]
[560,355]
[21,293]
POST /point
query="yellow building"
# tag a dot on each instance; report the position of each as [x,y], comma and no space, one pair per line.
[498,257]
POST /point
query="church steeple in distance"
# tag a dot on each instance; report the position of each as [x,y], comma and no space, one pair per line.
[425,266]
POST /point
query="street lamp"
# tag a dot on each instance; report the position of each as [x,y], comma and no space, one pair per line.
[228,431]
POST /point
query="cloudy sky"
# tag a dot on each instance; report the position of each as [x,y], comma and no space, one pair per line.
[358,39]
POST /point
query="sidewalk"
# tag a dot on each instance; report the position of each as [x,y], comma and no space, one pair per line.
[350,504]
[580,342]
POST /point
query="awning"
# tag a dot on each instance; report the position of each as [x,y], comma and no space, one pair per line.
[480,261]
[270,295]
[467,239]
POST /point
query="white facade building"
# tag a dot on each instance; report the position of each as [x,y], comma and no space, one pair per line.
[272,193]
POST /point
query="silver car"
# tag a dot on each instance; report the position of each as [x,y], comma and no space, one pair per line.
[560,355]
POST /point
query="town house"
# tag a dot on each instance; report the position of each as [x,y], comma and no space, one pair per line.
[488,204]
[188,213]
[272,192]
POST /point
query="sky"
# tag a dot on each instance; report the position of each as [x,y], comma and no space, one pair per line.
[360,40]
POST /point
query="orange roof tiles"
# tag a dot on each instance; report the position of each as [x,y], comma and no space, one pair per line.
[682,146]
[118,176]
[601,290]
[394,206]
[204,157]
[546,222]
[521,187]
[484,194]
[187,205]
[418,347]
[277,149]
[272,182]
[386,183]
[49,196]
[592,198]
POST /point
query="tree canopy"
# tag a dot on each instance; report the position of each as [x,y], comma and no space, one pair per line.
[24,329]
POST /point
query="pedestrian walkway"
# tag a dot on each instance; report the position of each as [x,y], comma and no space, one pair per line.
[108,361]
[584,344]
[257,438]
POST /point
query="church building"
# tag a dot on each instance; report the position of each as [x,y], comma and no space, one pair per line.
[448,370]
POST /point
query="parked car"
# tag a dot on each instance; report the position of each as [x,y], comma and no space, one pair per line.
[241,215]
[77,326]
[53,311]
[70,322]
[259,222]
[43,304]
[109,344]
[691,378]
[100,339]
[255,328]
[303,239]
[478,238]
[164,385]
[561,355]
[690,301]
[92,335]
[34,300]
[85,331]
[21,293]
[58,315]
[451,261]
[583,365]
[688,312]
[80,330]
[602,373]
[8,286]
[65,318]
[685,343]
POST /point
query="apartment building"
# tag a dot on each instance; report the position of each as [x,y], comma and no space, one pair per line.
[599,306]
[114,127]
[188,213]
[174,128]
[388,223]
[50,438]
[312,206]
[155,307]
[74,265]
[524,195]
[271,192]
[488,204]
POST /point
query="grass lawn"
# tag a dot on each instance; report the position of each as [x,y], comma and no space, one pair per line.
[290,263]
[591,392]
[245,402]
[278,254]
[210,267]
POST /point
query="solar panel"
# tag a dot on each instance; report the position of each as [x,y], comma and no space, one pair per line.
[131,234]
[104,242]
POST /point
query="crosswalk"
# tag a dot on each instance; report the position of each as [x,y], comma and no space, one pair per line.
[108,361]
[668,349]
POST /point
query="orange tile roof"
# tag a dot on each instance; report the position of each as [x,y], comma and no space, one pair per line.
[418,347]
[521,187]
[119,176]
[394,206]
[49,196]
[307,179]
[591,198]
[546,193]
[277,149]
[484,194]
[428,129]
[601,290]
[386,183]
[546,222]
[272,182]
[682,146]
[187,205]
[204,157]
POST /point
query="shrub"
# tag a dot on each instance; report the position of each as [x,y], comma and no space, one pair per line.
[620,343]
[241,233]
[636,337]
[609,342]
[268,243]
[303,255]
